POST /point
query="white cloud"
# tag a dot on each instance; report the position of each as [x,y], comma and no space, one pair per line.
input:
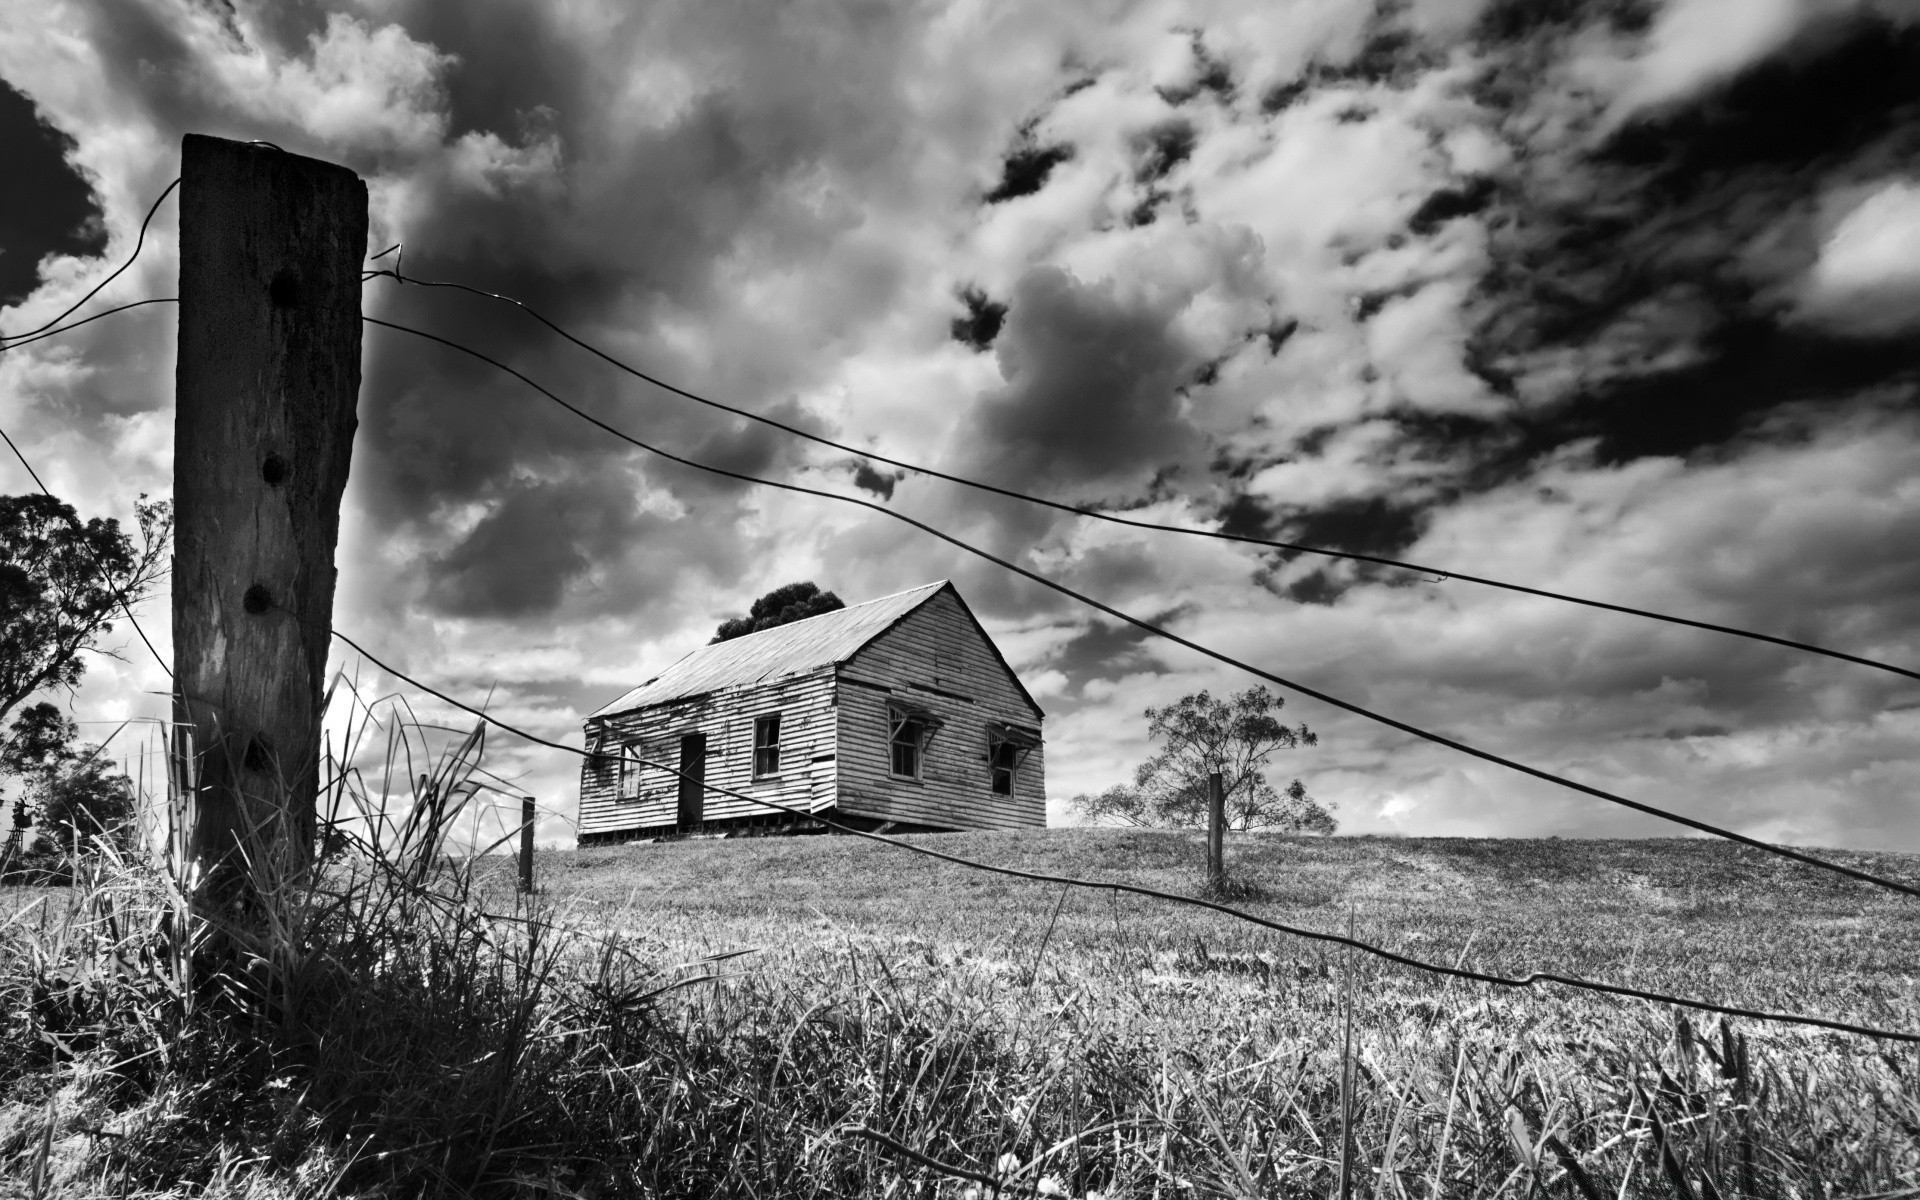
[1697,43]
[1866,281]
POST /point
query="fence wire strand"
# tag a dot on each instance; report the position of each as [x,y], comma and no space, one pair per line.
[1158,527]
[138,245]
[1505,981]
[1157,631]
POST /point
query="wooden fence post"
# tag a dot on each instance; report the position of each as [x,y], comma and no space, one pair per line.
[271,246]
[1216,828]
[526,844]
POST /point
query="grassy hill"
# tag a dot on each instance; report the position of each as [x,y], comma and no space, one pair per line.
[1694,917]
[899,1027]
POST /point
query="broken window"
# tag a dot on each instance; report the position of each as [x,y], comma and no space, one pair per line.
[1007,747]
[630,768]
[766,746]
[910,728]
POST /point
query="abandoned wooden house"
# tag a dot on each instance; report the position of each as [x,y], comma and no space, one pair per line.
[898,714]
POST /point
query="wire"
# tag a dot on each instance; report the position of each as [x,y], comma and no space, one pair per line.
[100,566]
[1157,631]
[29,339]
[137,245]
[1217,535]
[1350,942]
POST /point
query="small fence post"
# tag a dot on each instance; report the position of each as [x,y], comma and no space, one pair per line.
[526,844]
[1216,828]
[265,387]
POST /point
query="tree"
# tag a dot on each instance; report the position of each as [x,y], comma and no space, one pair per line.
[87,801]
[61,582]
[1200,735]
[782,605]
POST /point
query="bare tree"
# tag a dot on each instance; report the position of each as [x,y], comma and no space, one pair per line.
[1200,735]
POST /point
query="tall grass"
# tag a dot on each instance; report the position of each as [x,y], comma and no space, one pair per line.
[394,1022]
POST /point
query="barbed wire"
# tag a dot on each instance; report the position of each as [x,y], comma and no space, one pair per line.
[1159,527]
[1157,631]
[48,329]
[1145,626]
[1517,982]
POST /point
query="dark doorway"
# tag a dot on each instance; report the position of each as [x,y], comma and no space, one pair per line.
[693,778]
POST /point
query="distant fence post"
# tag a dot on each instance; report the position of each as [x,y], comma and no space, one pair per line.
[267,378]
[1216,828]
[526,843]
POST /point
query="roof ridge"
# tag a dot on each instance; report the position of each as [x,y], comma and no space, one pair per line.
[732,649]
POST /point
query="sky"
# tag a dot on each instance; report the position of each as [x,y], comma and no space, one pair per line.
[1611,298]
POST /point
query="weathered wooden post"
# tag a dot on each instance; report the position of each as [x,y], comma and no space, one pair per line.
[268,374]
[1216,829]
[526,844]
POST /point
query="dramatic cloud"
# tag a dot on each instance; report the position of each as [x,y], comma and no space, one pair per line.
[1867,278]
[1617,299]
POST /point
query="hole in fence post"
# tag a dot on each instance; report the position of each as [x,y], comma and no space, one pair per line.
[284,290]
[274,470]
[257,600]
[259,757]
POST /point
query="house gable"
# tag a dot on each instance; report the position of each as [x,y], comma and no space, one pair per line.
[939,665]
[983,676]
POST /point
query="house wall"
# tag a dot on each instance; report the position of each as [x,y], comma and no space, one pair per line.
[935,658]
[805,705]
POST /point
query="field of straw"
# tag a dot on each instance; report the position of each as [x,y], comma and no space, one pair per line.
[829,1017]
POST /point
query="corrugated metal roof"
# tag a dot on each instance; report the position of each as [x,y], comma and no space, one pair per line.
[773,653]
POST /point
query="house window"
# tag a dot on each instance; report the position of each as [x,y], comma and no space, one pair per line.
[909,729]
[766,746]
[1007,747]
[630,767]
[1003,759]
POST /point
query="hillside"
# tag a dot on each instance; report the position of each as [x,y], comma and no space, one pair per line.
[1701,918]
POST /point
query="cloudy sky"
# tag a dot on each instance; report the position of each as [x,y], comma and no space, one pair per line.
[1617,298]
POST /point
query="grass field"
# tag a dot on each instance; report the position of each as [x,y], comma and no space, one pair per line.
[1690,916]
[902,1027]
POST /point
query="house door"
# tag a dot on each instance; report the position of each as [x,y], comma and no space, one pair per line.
[693,777]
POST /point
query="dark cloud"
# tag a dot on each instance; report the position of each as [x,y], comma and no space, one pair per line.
[1026,169]
[46,206]
[1104,650]
[1092,388]
[1374,525]
[868,479]
[1450,203]
[983,320]
[537,540]
[1638,291]
[1160,149]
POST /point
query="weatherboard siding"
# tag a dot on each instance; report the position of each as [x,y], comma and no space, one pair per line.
[935,658]
[805,705]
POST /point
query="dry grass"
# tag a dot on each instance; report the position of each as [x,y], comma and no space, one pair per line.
[399,1025]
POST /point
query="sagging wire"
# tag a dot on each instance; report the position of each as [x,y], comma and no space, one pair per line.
[29,339]
[138,244]
[1155,630]
[1347,940]
[1158,527]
